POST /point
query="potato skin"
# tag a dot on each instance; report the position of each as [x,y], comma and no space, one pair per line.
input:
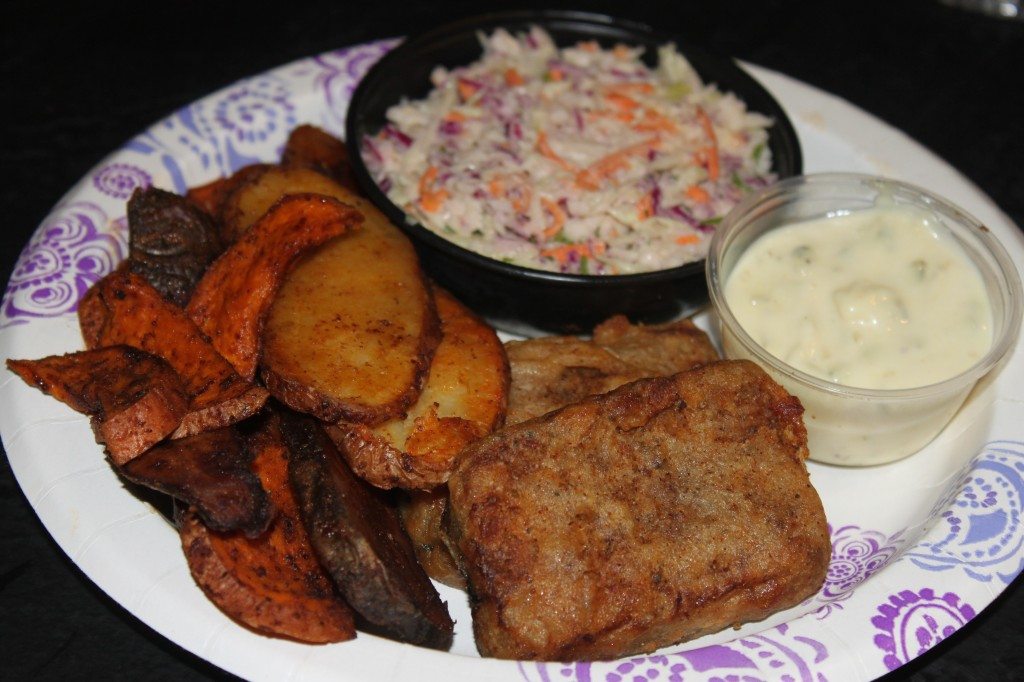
[212,473]
[171,242]
[360,541]
[311,147]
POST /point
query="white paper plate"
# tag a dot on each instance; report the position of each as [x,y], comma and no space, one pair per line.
[919,546]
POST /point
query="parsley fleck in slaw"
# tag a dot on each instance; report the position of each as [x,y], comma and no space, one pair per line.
[577,160]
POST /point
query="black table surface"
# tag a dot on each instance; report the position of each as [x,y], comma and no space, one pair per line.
[78,79]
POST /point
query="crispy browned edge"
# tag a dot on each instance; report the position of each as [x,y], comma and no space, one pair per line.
[134,399]
[361,542]
[387,465]
[260,612]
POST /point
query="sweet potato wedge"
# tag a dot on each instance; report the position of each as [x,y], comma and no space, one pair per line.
[464,399]
[211,472]
[256,194]
[171,242]
[123,308]
[134,399]
[212,196]
[232,299]
[274,583]
[353,328]
[311,147]
[360,541]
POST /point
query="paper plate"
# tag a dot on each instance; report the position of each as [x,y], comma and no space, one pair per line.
[919,547]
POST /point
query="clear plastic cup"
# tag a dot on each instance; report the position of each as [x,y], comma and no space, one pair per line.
[850,425]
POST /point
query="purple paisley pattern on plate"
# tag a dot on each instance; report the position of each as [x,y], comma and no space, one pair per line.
[72,249]
[772,655]
[857,554]
[982,532]
[119,180]
[912,622]
[221,133]
[341,71]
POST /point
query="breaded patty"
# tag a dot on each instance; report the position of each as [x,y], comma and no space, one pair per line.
[656,349]
[554,371]
[667,509]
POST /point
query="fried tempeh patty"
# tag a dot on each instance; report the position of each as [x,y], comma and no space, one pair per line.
[667,509]
[554,371]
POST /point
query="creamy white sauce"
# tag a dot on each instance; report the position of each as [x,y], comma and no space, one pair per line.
[882,298]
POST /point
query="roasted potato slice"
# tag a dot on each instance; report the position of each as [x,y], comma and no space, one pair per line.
[353,328]
[134,399]
[212,472]
[171,242]
[274,583]
[311,147]
[231,301]
[463,399]
[360,541]
[122,308]
[211,196]
[254,197]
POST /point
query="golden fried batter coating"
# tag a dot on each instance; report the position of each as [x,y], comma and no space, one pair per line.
[667,509]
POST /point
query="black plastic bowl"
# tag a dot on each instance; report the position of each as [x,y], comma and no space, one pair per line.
[519,299]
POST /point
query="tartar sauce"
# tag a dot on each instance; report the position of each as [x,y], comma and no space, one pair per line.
[882,298]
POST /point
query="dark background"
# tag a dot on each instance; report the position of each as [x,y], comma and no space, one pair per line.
[78,79]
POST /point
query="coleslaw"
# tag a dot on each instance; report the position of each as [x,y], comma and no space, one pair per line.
[578,160]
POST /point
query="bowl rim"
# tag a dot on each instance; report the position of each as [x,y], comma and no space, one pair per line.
[1004,271]
[782,126]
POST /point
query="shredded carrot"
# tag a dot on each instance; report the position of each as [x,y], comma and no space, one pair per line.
[589,46]
[653,122]
[598,247]
[466,89]
[520,196]
[685,239]
[556,74]
[698,194]
[589,178]
[624,116]
[711,153]
[622,102]
[622,88]
[496,187]
[645,209]
[545,149]
[455,116]
[513,78]
[557,217]
[431,200]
